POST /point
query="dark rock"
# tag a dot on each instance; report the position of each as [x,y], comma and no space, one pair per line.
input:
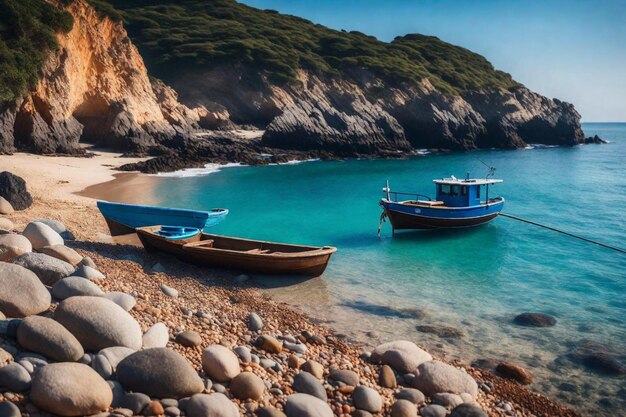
[304,405]
[189,338]
[217,404]
[368,399]
[8,409]
[70,389]
[47,268]
[534,320]
[49,338]
[135,402]
[160,373]
[255,323]
[247,385]
[595,139]
[306,383]
[434,376]
[446,399]
[401,355]
[269,411]
[118,393]
[387,378]
[515,372]
[21,292]
[540,120]
[40,130]
[13,189]
[348,126]
[433,410]
[411,394]
[441,331]
[597,357]
[269,344]
[344,375]
[467,410]
[14,377]
[98,323]
[314,368]
[403,408]
[7,125]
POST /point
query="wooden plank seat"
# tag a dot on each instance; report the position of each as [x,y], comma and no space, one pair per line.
[208,243]
[257,251]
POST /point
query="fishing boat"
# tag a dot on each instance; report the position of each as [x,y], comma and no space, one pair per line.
[124,218]
[240,254]
[458,203]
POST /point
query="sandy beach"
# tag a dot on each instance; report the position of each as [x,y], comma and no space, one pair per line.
[216,304]
[61,187]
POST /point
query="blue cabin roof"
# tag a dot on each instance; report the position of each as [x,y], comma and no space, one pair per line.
[461,192]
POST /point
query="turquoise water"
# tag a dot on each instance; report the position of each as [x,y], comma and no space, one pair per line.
[474,280]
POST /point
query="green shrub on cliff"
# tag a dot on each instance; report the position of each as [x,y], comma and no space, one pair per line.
[174,36]
[27,34]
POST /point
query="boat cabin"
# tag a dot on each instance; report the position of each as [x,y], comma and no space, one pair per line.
[466,192]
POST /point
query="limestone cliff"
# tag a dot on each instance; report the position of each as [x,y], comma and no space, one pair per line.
[96,88]
[361,114]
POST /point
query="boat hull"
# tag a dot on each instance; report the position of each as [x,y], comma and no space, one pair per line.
[124,218]
[414,217]
[292,260]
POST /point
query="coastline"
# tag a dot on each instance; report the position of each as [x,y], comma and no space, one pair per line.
[63,191]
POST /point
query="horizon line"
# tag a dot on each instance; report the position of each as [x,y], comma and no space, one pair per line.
[601,121]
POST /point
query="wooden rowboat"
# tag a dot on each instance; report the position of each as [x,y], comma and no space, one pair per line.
[240,254]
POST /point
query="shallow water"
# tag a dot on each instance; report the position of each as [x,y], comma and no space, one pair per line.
[473,280]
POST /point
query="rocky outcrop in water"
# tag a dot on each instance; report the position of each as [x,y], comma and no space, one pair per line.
[361,114]
[363,121]
[595,139]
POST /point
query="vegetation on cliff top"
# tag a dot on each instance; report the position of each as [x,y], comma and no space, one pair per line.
[175,36]
[27,34]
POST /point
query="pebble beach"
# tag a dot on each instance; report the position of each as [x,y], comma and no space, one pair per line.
[98,327]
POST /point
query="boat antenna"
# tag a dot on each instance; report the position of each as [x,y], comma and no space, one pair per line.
[492,170]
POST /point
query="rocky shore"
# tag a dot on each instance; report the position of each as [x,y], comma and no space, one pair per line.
[96,328]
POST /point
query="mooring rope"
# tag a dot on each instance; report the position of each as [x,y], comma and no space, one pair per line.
[383,217]
[565,233]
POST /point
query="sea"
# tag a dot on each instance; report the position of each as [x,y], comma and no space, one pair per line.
[466,284]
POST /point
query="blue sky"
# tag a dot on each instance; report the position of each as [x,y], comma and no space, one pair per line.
[572,50]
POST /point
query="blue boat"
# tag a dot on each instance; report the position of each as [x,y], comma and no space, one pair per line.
[458,203]
[178,232]
[124,218]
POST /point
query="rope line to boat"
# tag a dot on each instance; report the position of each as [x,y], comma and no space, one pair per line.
[383,218]
[564,232]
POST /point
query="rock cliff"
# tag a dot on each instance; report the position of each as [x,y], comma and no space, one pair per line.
[95,88]
[362,114]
